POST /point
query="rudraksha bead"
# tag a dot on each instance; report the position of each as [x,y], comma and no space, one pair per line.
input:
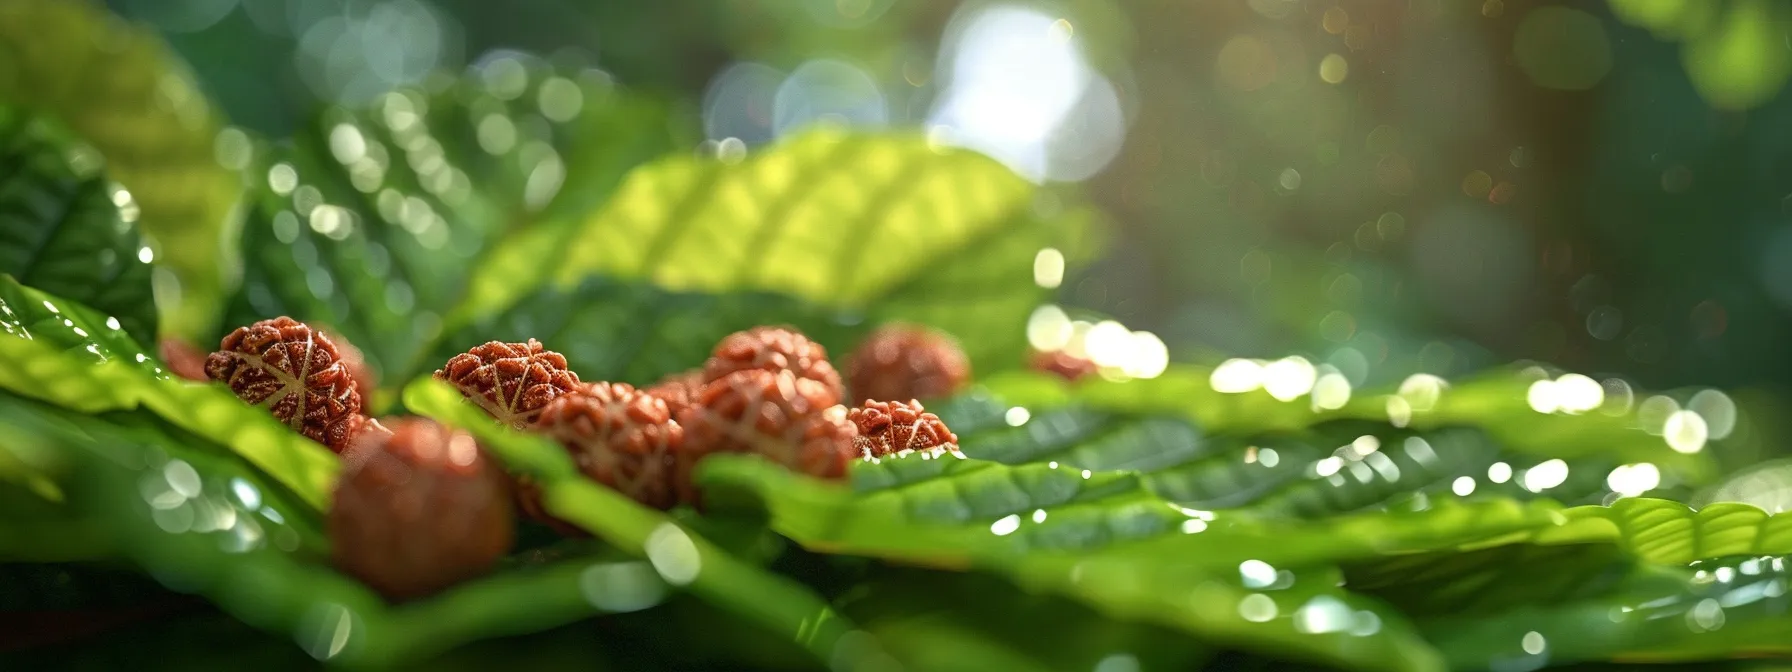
[620,437]
[418,509]
[511,381]
[897,428]
[296,372]
[1065,365]
[788,420]
[774,349]
[902,361]
[678,390]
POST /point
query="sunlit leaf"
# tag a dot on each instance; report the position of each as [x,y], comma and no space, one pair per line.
[60,366]
[366,222]
[120,90]
[889,224]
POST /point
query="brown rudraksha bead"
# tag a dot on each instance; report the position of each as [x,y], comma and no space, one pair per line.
[788,420]
[678,390]
[897,428]
[511,381]
[356,363]
[620,437]
[418,509]
[774,349]
[183,358]
[296,372]
[1065,365]
[902,361]
[362,425]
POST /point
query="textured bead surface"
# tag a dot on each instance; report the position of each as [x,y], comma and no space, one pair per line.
[296,372]
[618,436]
[896,428]
[511,381]
[788,420]
[356,363]
[1065,365]
[678,390]
[418,509]
[907,362]
[774,349]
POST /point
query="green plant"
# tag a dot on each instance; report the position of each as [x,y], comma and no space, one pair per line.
[1098,524]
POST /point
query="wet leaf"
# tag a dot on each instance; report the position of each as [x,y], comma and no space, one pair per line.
[62,229]
[121,90]
[46,359]
[202,520]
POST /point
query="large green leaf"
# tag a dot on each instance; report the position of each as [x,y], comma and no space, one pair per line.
[892,225]
[202,520]
[120,89]
[1209,450]
[62,228]
[629,331]
[1058,505]
[366,222]
[54,351]
[1494,401]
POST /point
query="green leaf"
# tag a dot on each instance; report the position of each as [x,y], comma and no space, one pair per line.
[202,520]
[75,328]
[888,224]
[680,556]
[366,222]
[628,331]
[981,628]
[1076,500]
[61,227]
[62,363]
[1711,610]
[122,91]
[1275,457]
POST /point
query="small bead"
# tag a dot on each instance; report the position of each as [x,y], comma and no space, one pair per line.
[901,361]
[774,349]
[296,372]
[418,509]
[356,363]
[511,381]
[618,436]
[678,390]
[1062,364]
[788,420]
[897,428]
[183,358]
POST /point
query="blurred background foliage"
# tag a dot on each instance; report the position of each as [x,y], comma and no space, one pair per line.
[1387,187]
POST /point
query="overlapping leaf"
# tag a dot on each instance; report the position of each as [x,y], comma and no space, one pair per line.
[680,556]
[366,223]
[121,90]
[630,331]
[893,226]
[58,352]
[203,520]
[62,228]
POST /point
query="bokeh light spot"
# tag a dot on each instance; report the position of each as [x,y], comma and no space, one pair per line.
[1562,48]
